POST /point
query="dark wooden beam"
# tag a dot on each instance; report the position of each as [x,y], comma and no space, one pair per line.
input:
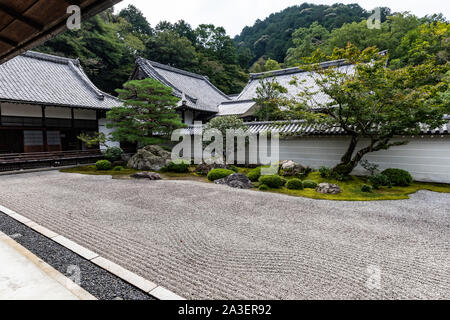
[8,41]
[74,2]
[19,16]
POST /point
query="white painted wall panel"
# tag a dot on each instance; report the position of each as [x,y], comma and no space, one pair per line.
[427,158]
[58,113]
[21,110]
[81,114]
[103,129]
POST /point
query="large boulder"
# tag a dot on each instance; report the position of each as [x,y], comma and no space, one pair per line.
[152,158]
[147,175]
[328,188]
[237,181]
[291,169]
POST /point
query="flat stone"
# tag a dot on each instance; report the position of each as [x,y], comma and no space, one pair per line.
[147,175]
[20,218]
[75,247]
[164,294]
[42,230]
[328,188]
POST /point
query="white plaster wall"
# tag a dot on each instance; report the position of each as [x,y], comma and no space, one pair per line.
[21,110]
[81,114]
[426,158]
[58,113]
[107,131]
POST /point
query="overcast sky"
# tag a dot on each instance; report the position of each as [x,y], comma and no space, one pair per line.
[234,15]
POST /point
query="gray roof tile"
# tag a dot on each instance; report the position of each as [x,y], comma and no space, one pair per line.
[45,79]
[201,94]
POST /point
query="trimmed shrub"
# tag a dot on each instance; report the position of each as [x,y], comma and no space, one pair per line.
[366,188]
[325,172]
[234,168]
[398,177]
[217,174]
[178,167]
[294,184]
[254,174]
[379,180]
[308,184]
[274,182]
[113,154]
[118,168]
[103,165]
[263,187]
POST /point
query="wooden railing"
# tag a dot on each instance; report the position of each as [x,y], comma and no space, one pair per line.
[24,161]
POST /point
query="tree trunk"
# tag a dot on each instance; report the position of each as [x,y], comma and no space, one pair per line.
[346,166]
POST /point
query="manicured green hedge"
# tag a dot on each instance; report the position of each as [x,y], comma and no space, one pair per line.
[254,174]
[294,184]
[103,165]
[178,167]
[398,177]
[379,180]
[217,174]
[366,188]
[274,182]
[308,184]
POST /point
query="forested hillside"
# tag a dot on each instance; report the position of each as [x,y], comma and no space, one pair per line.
[109,43]
[271,38]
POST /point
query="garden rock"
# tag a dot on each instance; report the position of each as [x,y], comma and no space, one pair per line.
[147,175]
[237,181]
[290,168]
[328,188]
[204,168]
[152,158]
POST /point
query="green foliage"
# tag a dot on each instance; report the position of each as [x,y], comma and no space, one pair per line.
[366,188]
[118,168]
[113,154]
[295,184]
[263,187]
[325,172]
[178,167]
[372,101]
[272,65]
[234,168]
[273,36]
[254,174]
[273,181]
[309,184]
[379,180]
[217,174]
[371,167]
[103,165]
[149,108]
[97,139]
[398,177]
[136,19]
[269,98]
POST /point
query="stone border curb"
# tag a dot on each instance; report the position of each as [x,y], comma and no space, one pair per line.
[67,283]
[135,280]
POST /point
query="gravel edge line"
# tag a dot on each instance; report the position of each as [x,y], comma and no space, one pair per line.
[133,279]
[54,274]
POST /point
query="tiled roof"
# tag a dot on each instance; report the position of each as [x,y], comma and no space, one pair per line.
[45,79]
[200,93]
[285,76]
[300,128]
[239,108]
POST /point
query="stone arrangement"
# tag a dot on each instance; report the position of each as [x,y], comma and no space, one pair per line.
[328,188]
[152,158]
[147,175]
[237,181]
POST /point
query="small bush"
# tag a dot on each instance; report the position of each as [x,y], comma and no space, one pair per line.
[308,184]
[263,187]
[254,174]
[325,172]
[178,167]
[379,180]
[294,184]
[103,165]
[118,168]
[398,177]
[274,182]
[234,168]
[217,174]
[113,154]
[366,188]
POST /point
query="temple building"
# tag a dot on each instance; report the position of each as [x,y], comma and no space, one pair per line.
[46,102]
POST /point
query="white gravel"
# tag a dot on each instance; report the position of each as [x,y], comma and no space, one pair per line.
[204,241]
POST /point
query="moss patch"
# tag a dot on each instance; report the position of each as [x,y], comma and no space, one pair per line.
[92,170]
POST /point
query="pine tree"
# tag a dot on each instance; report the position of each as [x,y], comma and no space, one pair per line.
[148,115]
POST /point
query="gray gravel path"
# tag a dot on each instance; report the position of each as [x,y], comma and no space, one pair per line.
[204,241]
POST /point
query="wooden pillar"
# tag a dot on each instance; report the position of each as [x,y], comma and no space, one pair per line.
[44,130]
[0,114]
